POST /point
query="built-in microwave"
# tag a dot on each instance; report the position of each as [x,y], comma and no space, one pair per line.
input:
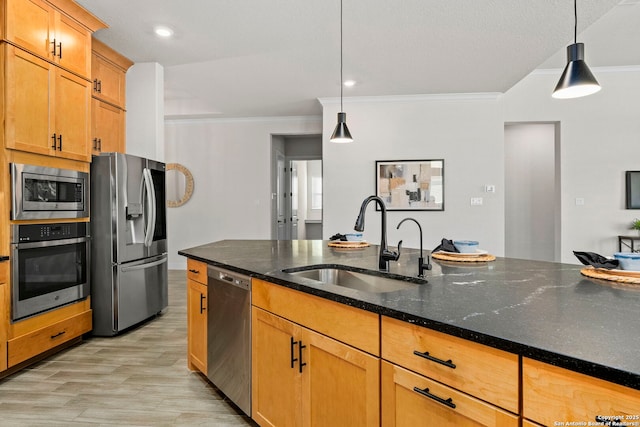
[41,192]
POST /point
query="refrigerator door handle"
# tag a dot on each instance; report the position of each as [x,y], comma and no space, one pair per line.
[154,207]
[143,266]
[148,235]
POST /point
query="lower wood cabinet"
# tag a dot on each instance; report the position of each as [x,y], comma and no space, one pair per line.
[38,334]
[197,315]
[551,394]
[197,326]
[303,378]
[410,400]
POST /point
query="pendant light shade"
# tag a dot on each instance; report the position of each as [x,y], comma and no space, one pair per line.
[341,133]
[576,79]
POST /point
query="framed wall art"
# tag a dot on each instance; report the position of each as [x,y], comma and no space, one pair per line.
[411,185]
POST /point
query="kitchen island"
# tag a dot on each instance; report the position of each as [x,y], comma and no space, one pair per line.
[538,311]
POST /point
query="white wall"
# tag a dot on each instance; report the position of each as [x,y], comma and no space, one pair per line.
[599,141]
[145,110]
[231,167]
[465,131]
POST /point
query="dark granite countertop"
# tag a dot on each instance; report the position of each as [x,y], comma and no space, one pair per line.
[542,310]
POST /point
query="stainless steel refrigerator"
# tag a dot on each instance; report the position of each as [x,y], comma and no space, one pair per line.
[129,241]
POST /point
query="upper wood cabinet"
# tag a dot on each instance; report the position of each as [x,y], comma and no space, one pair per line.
[46,109]
[107,128]
[108,74]
[56,30]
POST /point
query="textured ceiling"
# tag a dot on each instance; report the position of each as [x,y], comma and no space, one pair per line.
[249,58]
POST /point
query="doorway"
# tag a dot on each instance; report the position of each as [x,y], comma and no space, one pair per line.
[296,184]
[532,191]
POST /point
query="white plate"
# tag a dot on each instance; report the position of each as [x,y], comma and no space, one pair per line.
[478,252]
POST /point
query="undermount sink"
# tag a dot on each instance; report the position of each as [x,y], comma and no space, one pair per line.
[359,280]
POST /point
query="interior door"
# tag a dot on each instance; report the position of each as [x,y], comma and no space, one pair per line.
[281,213]
[293,200]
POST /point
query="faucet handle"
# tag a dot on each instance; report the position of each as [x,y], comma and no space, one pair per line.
[388,255]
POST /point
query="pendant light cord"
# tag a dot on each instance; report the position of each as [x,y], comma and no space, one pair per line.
[341,108]
[575,21]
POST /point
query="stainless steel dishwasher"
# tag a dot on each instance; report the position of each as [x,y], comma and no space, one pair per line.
[229,335]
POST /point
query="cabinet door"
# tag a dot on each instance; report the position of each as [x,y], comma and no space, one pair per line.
[108,81]
[276,383]
[436,405]
[197,326]
[73,46]
[4,315]
[29,80]
[340,384]
[108,128]
[71,111]
[29,24]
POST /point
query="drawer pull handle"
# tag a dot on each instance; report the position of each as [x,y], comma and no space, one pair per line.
[293,358]
[301,363]
[58,334]
[448,402]
[448,363]
[194,271]
[202,298]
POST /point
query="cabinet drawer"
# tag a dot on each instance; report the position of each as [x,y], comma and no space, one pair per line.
[27,346]
[409,399]
[482,371]
[553,394]
[197,270]
[353,326]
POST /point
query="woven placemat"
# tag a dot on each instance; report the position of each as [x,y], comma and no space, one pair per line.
[341,244]
[600,273]
[463,258]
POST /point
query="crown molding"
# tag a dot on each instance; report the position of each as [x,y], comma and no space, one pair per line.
[480,96]
[270,119]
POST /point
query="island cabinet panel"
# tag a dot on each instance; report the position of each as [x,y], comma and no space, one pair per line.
[552,394]
[51,34]
[197,315]
[481,371]
[353,326]
[303,378]
[410,400]
[197,271]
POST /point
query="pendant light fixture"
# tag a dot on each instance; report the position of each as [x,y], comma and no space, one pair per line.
[341,134]
[576,79]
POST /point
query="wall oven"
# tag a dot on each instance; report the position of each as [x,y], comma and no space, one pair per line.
[41,192]
[49,266]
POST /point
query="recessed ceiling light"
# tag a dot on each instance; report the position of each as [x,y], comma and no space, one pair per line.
[164,32]
[349,83]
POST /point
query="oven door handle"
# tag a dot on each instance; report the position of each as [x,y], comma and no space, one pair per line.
[143,266]
[49,243]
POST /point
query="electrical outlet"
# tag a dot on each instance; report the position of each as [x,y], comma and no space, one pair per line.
[476,201]
[579,201]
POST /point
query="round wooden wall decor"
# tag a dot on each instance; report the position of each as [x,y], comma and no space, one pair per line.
[188,185]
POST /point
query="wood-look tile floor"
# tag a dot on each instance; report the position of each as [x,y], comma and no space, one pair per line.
[139,378]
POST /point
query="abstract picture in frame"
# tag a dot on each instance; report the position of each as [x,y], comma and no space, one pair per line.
[411,185]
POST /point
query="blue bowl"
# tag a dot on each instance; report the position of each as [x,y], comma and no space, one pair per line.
[466,246]
[628,260]
[354,237]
